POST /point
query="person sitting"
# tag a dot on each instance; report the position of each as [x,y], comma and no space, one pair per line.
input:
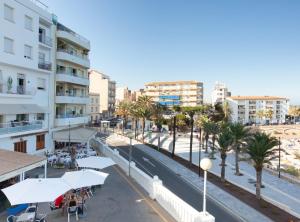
[73,201]
[59,201]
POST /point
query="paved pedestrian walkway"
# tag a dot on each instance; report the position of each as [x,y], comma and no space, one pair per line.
[226,200]
[119,199]
[280,192]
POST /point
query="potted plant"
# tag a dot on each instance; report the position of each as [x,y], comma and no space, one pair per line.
[9,84]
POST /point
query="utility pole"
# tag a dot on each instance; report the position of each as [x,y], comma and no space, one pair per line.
[200,146]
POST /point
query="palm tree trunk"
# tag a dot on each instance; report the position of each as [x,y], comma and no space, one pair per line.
[174,137]
[206,143]
[213,147]
[143,129]
[223,157]
[191,142]
[258,183]
[237,168]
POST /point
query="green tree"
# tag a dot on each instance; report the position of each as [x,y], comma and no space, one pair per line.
[261,150]
[144,109]
[191,112]
[240,135]
[225,141]
[260,114]
[205,122]
[269,114]
[123,110]
[214,129]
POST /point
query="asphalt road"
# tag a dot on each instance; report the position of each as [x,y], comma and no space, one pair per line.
[175,183]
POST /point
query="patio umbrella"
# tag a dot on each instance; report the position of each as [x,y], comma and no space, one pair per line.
[95,162]
[36,190]
[84,178]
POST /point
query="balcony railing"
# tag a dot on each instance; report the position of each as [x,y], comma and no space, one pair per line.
[62,28]
[16,127]
[71,74]
[45,65]
[45,40]
[79,55]
[71,94]
[64,116]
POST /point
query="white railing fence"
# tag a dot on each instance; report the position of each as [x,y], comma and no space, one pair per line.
[179,209]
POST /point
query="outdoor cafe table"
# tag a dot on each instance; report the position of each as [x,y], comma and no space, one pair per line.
[24,217]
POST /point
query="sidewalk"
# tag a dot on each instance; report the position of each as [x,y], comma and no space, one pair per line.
[225,200]
[280,192]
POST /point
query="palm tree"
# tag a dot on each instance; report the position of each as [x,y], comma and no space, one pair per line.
[239,135]
[123,110]
[144,107]
[225,141]
[135,116]
[260,114]
[205,123]
[294,111]
[190,112]
[261,150]
[214,129]
[269,114]
[227,112]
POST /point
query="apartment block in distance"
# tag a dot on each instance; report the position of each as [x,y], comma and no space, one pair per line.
[245,109]
[106,88]
[94,108]
[71,78]
[27,54]
[220,93]
[179,93]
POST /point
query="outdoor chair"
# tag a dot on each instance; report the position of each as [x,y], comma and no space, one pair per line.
[72,211]
[11,218]
[40,218]
[30,209]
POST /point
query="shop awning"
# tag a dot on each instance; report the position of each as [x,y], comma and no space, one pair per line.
[77,135]
[14,163]
[21,109]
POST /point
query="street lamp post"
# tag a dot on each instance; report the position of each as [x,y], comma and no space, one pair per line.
[205,164]
[279,159]
[130,153]
[69,148]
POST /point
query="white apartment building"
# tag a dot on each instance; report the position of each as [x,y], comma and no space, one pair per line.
[246,109]
[106,88]
[71,78]
[94,107]
[220,93]
[123,93]
[27,50]
[181,93]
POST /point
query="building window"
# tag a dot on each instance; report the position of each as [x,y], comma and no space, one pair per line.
[40,142]
[40,116]
[28,23]
[27,52]
[20,147]
[96,109]
[41,84]
[8,45]
[8,13]
[97,100]
[92,100]
[92,109]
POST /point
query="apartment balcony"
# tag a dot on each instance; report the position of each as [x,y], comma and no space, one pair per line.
[73,37]
[18,127]
[65,120]
[72,78]
[19,92]
[70,56]
[45,65]
[45,40]
[65,98]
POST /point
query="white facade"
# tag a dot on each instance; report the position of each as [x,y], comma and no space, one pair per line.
[220,93]
[106,88]
[182,93]
[26,76]
[246,109]
[94,107]
[71,79]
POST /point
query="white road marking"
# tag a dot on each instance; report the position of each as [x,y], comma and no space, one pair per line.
[148,161]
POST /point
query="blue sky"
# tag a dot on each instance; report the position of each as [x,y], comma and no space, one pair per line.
[251,45]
